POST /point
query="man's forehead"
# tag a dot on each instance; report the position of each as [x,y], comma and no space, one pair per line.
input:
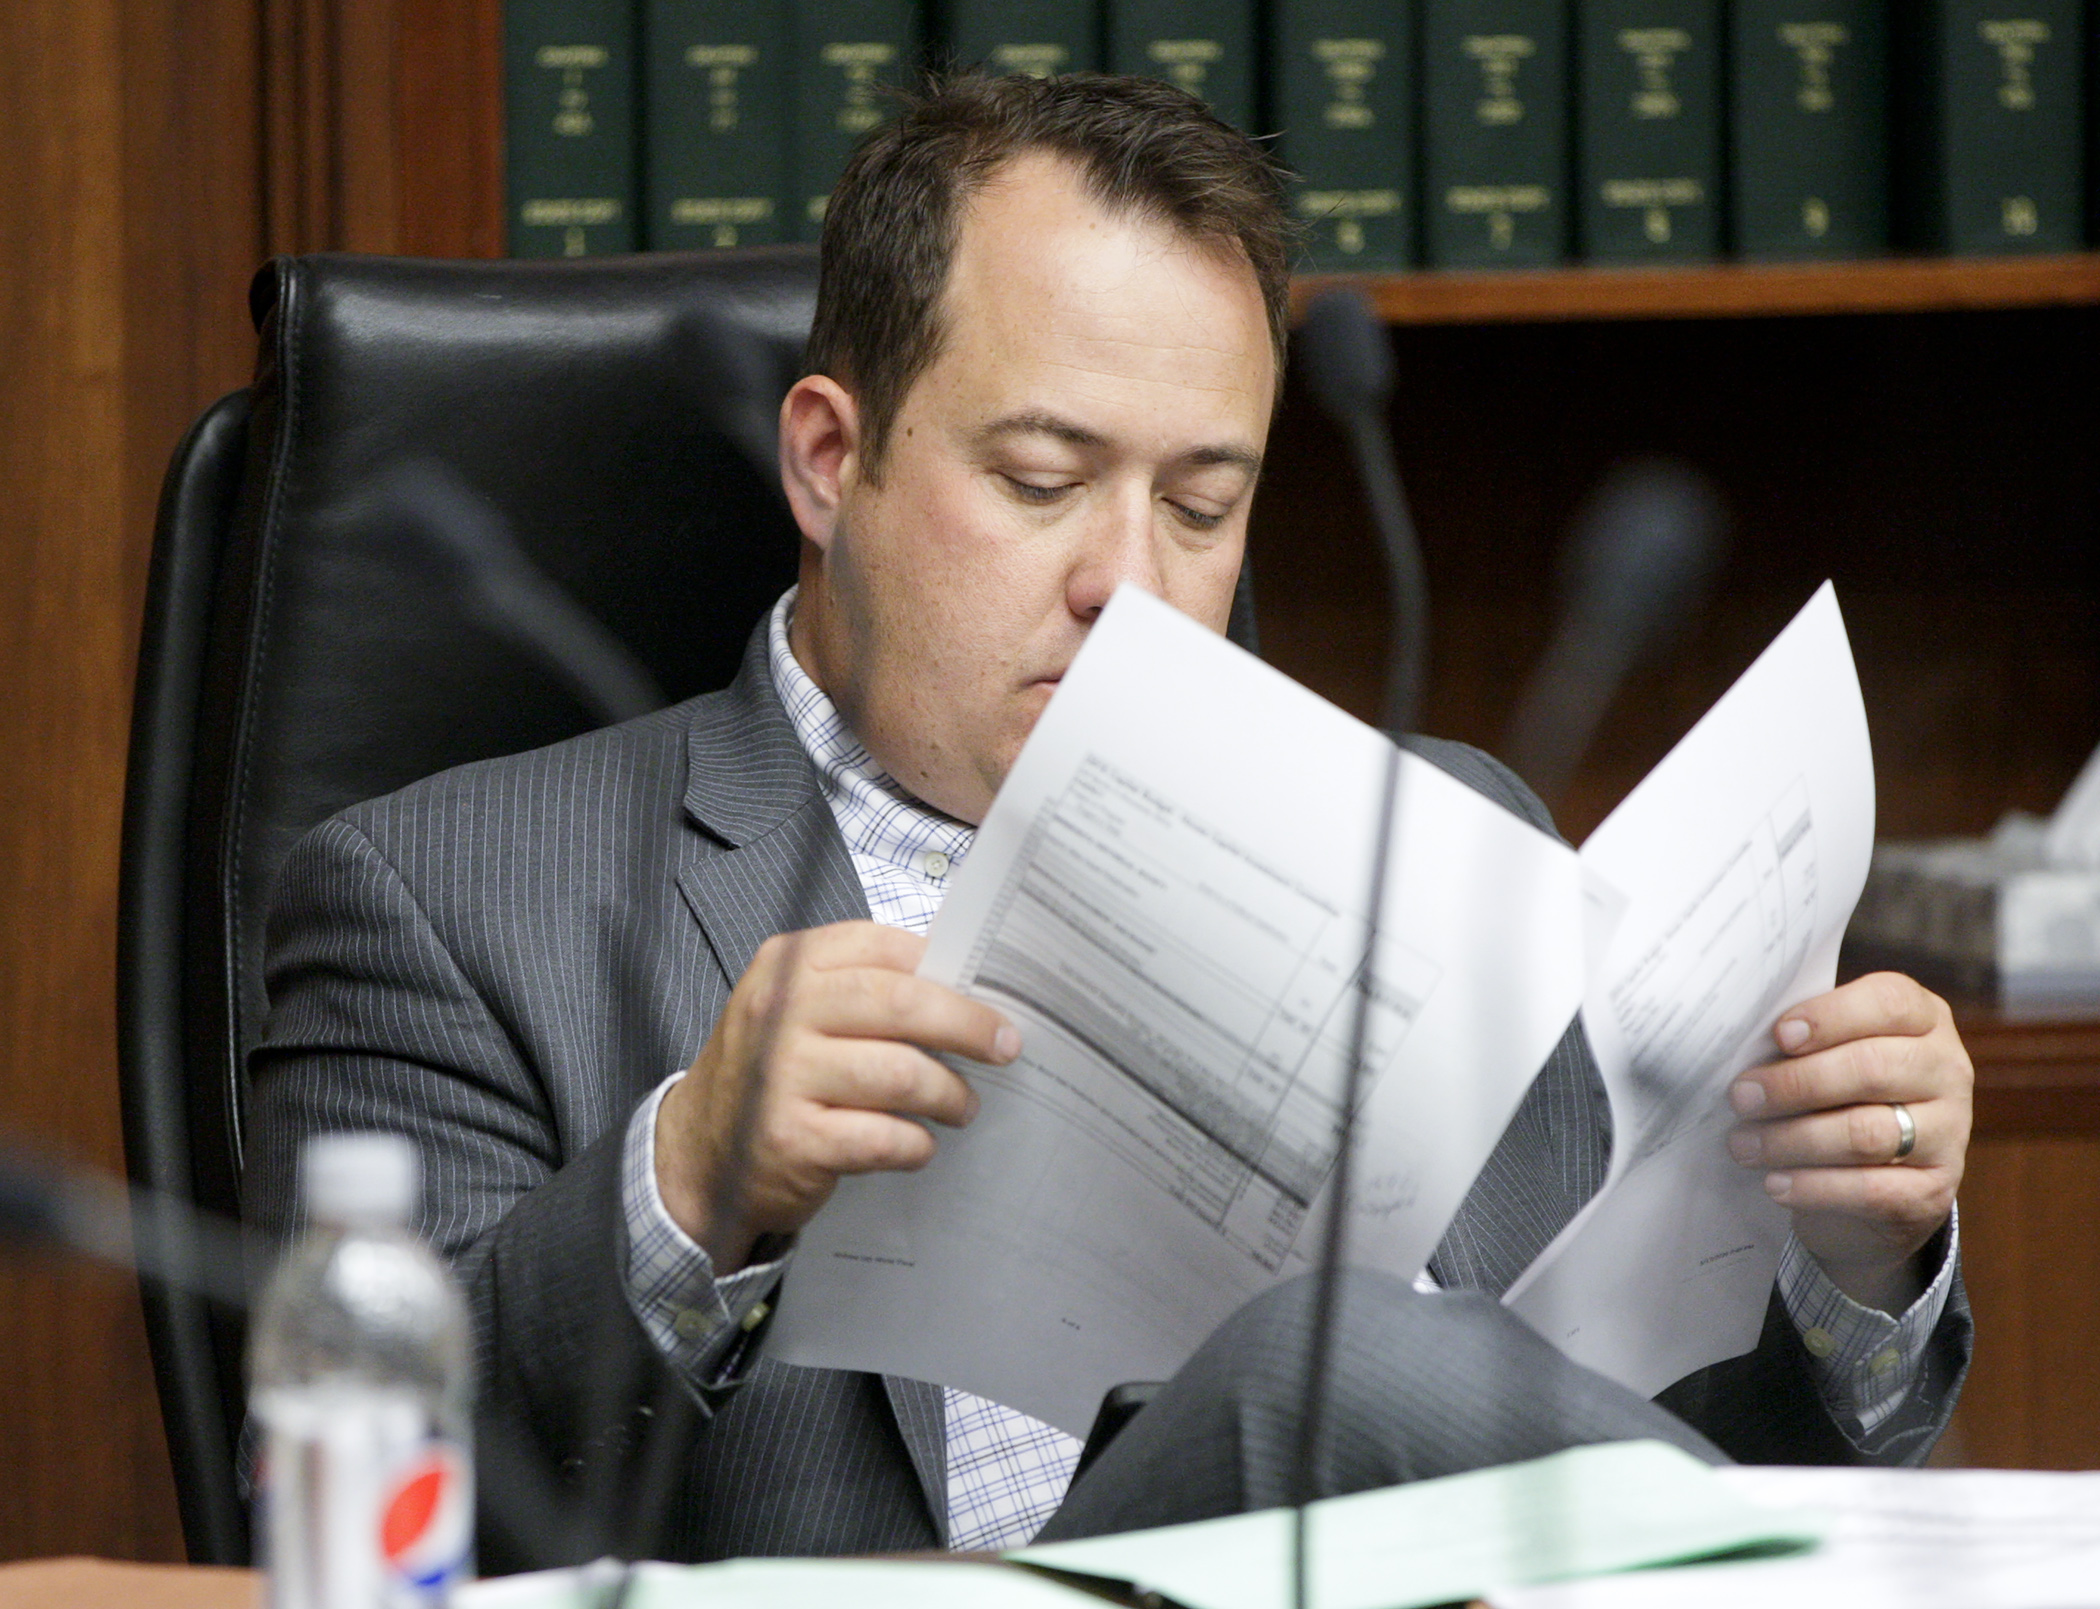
[1039,199]
[1046,273]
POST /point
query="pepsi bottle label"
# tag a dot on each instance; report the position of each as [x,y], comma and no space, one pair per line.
[363,1504]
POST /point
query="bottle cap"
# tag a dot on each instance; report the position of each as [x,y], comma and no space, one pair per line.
[360,1178]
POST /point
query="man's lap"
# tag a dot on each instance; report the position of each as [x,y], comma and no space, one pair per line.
[1423,1384]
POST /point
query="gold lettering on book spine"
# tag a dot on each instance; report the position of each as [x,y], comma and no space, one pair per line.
[1031,61]
[2015,39]
[1654,52]
[862,63]
[1500,205]
[1346,210]
[1815,46]
[1500,56]
[570,212]
[723,67]
[560,58]
[724,217]
[572,103]
[1349,65]
[1654,198]
[1188,61]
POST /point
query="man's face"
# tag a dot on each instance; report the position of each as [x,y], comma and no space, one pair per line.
[1096,415]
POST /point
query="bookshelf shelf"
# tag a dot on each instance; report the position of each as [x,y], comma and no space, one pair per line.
[1725,290]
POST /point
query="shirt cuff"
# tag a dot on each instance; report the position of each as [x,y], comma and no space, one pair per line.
[1865,1361]
[694,1320]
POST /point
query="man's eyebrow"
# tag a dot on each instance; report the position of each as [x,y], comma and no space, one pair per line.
[1077,435]
[1039,424]
[1236,457]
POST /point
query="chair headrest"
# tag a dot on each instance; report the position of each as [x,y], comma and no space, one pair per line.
[609,422]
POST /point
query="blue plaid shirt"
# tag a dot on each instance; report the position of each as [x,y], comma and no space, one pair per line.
[1007,1472]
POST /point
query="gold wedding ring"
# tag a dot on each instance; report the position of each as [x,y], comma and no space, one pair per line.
[1906,1131]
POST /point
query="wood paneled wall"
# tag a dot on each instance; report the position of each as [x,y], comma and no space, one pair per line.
[152,154]
[383,126]
[128,222]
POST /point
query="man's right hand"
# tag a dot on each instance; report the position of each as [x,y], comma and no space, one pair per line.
[845,1029]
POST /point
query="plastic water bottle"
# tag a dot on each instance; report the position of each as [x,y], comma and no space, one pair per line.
[359,1380]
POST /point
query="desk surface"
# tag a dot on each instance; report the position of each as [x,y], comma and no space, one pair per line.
[100,1584]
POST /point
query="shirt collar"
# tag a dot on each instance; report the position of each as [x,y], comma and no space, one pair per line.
[876,816]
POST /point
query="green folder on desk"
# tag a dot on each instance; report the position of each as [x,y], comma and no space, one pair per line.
[1587,1511]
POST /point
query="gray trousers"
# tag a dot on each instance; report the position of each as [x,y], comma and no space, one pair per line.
[1420,1385]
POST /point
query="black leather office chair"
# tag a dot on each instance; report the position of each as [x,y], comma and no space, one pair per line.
[466,508]
[429,448]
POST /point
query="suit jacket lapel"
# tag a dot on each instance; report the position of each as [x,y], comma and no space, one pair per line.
[922,1418]
[768,859]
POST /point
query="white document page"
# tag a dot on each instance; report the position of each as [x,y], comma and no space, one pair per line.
[1738,861]
[1169,899]
[1894,1539]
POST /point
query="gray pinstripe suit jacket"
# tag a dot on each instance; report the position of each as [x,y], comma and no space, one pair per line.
[503,959]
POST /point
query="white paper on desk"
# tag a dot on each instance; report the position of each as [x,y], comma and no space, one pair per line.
[1739,859]
[1169,898]
[1894,1539]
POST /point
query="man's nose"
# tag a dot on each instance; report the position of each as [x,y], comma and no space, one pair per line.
[1120,546]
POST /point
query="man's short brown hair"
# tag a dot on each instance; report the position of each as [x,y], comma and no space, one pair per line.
[1140,146]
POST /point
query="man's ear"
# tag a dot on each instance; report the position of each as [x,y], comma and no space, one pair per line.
[819,453]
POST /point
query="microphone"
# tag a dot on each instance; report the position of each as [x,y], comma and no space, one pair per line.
[140,1231]
[1346,357]
[1348,365]
[734,377]
[444,523]
[1642,556]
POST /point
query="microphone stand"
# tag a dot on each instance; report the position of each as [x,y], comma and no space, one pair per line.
[1348,365]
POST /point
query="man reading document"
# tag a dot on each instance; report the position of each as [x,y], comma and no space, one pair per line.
[1047,348]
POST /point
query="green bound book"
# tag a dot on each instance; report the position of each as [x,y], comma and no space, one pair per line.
[1648,129]
[1991,130]
[1344,99]
[1037,37]
[1205,46]
[569,146]
[848,53]
[1808,128]
[1494,133]
[2092,122]
[715,107]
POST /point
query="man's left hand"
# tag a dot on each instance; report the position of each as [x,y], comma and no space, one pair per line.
[1822,1124]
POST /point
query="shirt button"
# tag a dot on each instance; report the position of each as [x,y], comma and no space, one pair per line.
[1819,1343]
[1884,1360]
[936,863]
[690,1324]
